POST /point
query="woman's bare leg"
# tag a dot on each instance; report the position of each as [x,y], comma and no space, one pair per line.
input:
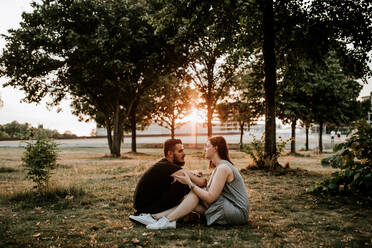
[188,204]
[164,213]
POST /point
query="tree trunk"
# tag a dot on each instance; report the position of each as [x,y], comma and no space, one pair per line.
[172,128]
[133,129]
[293,136]
[116,144]
[210,79]
[270,78]
[209,115]
[307,137]
[109,135]
[320,137]
[241,135]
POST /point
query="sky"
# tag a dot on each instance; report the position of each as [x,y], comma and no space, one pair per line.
[15,109]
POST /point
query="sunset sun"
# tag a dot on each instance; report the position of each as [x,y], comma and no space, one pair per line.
[195,116]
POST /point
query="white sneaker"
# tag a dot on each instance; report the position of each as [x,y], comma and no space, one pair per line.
[144,219]
[162,223]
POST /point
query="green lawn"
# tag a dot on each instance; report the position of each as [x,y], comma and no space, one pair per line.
[93,198]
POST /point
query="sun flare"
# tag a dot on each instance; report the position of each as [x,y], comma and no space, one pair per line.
[196,116]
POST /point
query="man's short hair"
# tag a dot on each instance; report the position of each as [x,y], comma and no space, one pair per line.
[169,145]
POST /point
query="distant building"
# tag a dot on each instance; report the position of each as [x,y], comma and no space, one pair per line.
[192,129]
[369,116]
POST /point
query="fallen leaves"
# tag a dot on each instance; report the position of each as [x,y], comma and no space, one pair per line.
[36,235]
[135,240]
[149,234]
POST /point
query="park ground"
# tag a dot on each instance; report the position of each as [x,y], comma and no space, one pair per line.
[92,200]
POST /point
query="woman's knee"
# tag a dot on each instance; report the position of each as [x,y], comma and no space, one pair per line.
[193,196]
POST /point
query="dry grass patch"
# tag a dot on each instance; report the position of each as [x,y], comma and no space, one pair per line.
[282,213]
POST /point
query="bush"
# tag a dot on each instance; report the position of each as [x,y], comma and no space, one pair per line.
[354,159]
[256,150]
[39,159]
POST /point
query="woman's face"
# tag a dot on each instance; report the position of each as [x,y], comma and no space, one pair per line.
[210,150]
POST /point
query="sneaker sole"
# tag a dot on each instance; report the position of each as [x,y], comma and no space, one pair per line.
[137,222]
[169,227]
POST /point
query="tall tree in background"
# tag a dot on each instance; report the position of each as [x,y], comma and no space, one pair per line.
[175,103]
[207,34]
[211,70]
[332,96]
[246,105]
[103,53]
[292,98]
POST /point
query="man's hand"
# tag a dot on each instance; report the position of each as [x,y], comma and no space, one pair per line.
[185,179]
[194,177]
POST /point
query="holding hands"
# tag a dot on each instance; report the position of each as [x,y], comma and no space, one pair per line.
[185,179]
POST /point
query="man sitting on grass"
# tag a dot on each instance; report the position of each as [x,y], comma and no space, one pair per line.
[157,190]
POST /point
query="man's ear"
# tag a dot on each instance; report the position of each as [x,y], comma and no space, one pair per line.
[169,153]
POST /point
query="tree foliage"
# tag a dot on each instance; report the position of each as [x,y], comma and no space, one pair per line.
[39,159]
[15,130]
[245,105]
[175,102]
[104,53]
[354,159]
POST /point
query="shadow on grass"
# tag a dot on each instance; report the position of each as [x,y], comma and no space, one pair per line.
[137,154]
[109,157]
[353,201]
[62,196]
[7,170]
[63,166]
[300,155]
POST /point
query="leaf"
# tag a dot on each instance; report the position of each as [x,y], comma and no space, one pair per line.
[36,235]
[135,240]
[149,234]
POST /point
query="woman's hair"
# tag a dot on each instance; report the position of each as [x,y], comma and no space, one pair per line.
[222,149]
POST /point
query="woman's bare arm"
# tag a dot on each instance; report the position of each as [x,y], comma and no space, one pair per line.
[218,182]
[198,180]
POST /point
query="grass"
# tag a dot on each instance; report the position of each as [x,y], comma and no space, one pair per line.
[91,198]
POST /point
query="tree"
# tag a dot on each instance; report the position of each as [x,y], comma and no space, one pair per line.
[209,46]
[16,130]
[246,106]
[103,53]
[332,96]
[349,23]
[174,104]
[292,100]
[264,24]
[211,70]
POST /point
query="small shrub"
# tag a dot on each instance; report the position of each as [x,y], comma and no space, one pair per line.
[39,159]
[354,159]
[256,150]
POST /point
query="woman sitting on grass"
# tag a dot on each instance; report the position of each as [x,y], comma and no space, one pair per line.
[223,201]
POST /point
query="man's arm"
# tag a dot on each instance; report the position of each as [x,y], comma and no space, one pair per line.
[198,180]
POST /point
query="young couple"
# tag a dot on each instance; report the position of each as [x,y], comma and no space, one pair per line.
[166,192]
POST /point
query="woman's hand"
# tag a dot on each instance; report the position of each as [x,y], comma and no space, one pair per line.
[196,173]
[185,179]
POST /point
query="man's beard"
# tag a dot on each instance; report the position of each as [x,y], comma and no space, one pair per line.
[175,161]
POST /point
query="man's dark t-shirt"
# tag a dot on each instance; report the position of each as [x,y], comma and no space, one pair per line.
[156,191]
